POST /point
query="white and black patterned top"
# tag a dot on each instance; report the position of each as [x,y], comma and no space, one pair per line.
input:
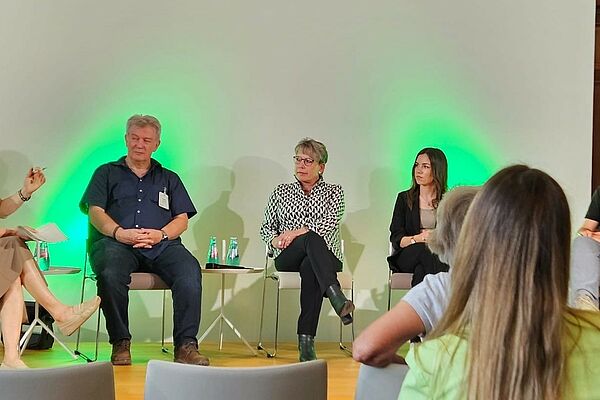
[320,211]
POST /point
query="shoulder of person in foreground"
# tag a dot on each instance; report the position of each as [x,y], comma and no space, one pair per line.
[430,298]
[417,313]
[436,369]
[582,347]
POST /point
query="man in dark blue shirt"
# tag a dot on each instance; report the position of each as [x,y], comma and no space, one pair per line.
[137,210]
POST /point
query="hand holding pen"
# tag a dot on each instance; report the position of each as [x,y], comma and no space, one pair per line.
[34,179]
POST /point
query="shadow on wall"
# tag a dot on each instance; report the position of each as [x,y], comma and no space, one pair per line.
[217,218]
[229,194]
[366,237]
[13,168]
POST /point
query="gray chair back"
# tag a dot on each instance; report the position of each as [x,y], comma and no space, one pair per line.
[94,381]
[172,381]
[380,383]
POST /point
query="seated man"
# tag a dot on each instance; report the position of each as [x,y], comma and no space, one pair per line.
[137,211]
[585,264]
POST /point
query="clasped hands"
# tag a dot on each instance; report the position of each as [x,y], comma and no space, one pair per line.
[286,238]
[139,238]
[423,236]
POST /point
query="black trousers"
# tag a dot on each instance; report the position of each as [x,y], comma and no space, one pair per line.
[308,254]
[113,262]
[418,260]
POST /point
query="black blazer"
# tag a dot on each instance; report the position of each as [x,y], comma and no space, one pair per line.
[405,222]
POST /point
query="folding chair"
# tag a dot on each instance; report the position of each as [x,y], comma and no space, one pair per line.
[84,381]
[173,381]
[397,281]
[291,280]
[139,281]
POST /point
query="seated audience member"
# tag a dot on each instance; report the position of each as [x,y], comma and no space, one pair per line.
[423,306]
[415,216]
[17,269]
[585,259]
[137,212]
[302,227]
[507,332]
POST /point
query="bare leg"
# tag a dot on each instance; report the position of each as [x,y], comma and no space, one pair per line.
[34,282]
[68,318]
[11,315]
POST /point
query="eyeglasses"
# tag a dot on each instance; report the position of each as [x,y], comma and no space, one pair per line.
[307,161]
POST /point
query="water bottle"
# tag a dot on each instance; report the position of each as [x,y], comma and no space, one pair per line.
[43,255]
[233,256]
[213,253]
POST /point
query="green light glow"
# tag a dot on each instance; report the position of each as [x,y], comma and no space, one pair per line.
[166,92]
[437,120]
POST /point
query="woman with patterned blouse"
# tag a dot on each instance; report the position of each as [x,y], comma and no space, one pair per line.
[302,228]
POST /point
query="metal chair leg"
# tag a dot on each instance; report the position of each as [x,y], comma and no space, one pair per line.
[389,285]
[81,301]
[259,345]
[343,347]
[162,336]
[277,322]
[79,330]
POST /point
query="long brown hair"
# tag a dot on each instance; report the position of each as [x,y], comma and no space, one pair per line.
[439,171]
[509,287]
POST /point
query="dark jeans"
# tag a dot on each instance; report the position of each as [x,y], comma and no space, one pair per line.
[113,262]
[418,260]
[308,254]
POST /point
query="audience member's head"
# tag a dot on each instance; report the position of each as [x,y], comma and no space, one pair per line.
[450,217]
[509,288]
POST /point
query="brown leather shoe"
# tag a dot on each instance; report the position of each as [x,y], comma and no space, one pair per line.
[188,353]
[120,352]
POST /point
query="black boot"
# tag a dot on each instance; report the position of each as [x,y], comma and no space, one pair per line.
[342,306]
[306,347]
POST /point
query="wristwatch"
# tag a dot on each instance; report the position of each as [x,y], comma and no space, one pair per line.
[164,236]
[412,240]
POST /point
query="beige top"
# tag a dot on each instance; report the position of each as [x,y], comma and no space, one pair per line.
[428,218]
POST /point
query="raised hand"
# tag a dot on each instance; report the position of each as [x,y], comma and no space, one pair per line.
[34,179]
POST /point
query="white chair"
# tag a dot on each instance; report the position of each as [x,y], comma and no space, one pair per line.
[172,381]
[85,381]
[380,383]
[397,281]
[139,281]
[291,280]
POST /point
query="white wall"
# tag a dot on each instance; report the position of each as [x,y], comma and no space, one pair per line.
[236,84]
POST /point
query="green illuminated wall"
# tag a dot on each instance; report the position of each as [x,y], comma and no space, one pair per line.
[236,85]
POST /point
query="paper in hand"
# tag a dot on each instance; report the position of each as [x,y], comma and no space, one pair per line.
[50,233]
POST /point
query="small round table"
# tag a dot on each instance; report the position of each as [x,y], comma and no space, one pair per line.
[37,321]
[221,317]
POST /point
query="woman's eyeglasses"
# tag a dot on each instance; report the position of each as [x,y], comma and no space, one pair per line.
[307,161]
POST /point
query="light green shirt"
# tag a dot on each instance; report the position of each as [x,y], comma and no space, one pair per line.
[435,374]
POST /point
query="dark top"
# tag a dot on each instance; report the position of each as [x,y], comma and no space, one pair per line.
[593,212]
[405,222]
[133,202]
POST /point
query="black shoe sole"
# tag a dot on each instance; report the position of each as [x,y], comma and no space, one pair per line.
[346,312]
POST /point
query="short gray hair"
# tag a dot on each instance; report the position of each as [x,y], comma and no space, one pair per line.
[142,121]
[450,217]
[313,147]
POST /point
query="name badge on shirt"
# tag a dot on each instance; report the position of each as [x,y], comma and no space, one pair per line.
[163,199]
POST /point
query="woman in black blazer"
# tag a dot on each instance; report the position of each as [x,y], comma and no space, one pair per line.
[414,217]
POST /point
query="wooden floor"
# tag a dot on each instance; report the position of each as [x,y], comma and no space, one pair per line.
[129,380]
